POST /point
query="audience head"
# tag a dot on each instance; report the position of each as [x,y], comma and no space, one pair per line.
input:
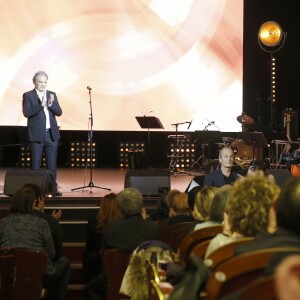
[203,201]
[249,204]
[109,210]
[180,204]
[288,205]
[170,197]
[39,198]
[217,209]
[22,202]
[130,202]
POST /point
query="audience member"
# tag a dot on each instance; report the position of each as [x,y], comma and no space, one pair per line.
[163,206]
[21,228]
[217,208]
[127,233]
[38,210]
[94,234]
[180,210]
[223,175]
[284,214]
[203,201]
[92,265]
[247,210]
[287,278]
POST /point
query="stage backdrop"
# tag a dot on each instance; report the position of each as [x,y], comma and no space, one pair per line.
[176,60]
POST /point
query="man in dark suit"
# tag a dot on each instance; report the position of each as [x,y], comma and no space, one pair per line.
[41,107]
[127,233]
[224,175]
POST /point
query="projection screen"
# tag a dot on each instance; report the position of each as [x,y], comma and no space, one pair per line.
[177,60]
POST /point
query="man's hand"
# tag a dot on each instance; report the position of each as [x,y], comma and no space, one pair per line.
[51,99]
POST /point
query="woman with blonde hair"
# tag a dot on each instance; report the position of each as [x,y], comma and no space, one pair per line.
[248,210]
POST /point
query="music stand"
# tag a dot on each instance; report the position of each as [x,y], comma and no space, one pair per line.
[255,139]
[147,122]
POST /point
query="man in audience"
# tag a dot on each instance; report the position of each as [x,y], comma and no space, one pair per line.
[224,174]
[285,215]
[127,233]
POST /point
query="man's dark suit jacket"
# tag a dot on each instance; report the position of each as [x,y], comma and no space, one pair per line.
[36,119]
[126,234]
[216,178]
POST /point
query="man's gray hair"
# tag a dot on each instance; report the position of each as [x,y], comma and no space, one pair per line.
[130,202]
[38,73]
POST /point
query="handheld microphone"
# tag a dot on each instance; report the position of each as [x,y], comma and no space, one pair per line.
[190,124]
[89,88]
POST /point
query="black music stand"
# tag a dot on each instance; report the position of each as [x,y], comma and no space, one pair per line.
[255,139]
[146,122]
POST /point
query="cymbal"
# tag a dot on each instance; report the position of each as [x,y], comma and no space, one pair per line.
[244,119]
[228,139]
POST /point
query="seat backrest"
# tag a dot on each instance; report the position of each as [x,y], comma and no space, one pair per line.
[260,289]
[239,271]
[115,262]
[173,234]
[200,249]
[224,252]
[24,273]
[31,266]
[7,274]
[196,237]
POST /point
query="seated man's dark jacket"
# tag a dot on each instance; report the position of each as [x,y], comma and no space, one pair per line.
[126,234]
[216,178]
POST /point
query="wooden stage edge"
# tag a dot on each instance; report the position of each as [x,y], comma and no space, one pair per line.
[75,178]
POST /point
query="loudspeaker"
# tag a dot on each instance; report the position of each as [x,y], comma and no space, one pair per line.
[148,182]
[280,175]
[16,178]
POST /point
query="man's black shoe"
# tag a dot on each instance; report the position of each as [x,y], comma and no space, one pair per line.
[58,194]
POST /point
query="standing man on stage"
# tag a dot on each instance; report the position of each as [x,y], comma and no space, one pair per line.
[223,175]
[41,107]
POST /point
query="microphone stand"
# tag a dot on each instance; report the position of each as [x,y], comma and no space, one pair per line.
[90,140]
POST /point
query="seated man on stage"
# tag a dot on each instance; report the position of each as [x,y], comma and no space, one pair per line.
[223,175]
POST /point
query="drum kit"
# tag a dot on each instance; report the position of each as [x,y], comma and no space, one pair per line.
[244,154]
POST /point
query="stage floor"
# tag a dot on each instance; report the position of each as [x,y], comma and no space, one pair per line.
[72,178]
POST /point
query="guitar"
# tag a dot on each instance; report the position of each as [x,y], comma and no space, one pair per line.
[295,168]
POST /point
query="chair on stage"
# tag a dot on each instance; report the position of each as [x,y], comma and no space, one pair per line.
[115,262]
[196,237]
[225,252]
[239,271]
